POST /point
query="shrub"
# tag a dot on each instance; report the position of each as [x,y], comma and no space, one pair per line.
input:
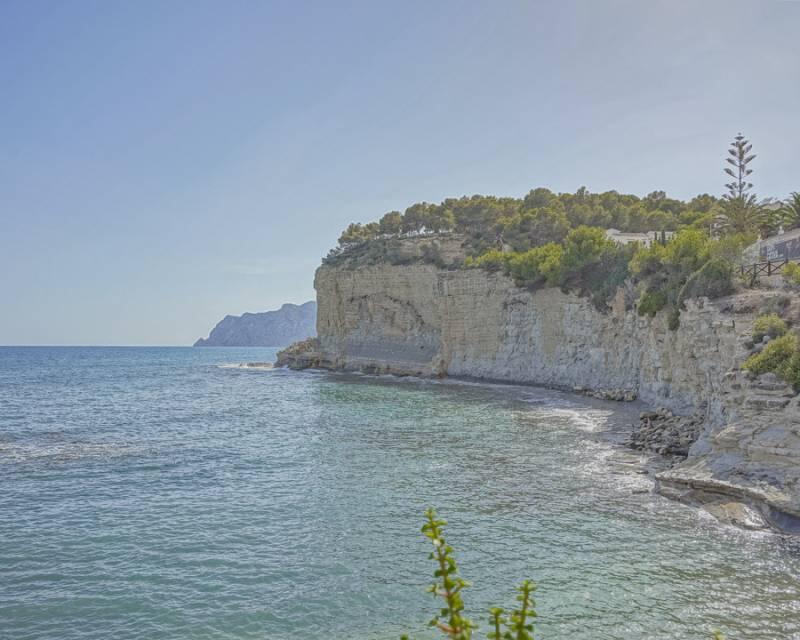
[528,269]
[791,371]
[492,260]
[651,303]
[690,265]
[781,357]
[774,356]
[611,272]
[730,247]
[583,248]
[713,280]
[769,324]
[593,264]
[791,272]
[649,261]
[687,251]
[775,304]
[534,227]
[536,266]
[391,223]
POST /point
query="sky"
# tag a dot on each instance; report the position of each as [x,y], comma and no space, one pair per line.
[163,164]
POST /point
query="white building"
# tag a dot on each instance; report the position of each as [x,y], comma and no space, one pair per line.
[646,238]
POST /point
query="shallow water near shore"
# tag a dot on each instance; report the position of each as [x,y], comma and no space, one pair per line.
[163,493]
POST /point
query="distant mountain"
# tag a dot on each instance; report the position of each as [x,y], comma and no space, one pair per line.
[277,328]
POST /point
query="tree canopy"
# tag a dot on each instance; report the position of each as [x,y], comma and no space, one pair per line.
[539,217]
[559,239]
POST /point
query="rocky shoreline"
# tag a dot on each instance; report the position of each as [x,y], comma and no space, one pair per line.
[663,439]
[727,438]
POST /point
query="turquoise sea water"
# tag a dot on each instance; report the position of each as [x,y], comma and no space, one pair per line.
[156,493]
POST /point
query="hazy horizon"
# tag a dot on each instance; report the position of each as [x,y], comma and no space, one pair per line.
[165,165]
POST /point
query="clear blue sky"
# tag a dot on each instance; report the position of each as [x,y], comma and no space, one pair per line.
[163,164]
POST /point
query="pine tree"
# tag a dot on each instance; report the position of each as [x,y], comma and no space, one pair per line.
[740,158]
[741,212]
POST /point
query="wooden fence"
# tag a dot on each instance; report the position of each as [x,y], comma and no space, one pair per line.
[768,268]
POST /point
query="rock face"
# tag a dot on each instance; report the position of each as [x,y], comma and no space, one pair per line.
[419,319]
[752,454]
[269,329]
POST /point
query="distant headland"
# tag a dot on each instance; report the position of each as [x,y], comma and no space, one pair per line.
[276,328]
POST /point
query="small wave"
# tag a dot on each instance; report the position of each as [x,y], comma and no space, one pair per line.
[247,365]
[21,452]
[588,420]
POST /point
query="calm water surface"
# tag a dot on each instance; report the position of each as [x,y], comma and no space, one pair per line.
[156,493]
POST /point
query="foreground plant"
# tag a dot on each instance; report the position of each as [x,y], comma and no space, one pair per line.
[448,585]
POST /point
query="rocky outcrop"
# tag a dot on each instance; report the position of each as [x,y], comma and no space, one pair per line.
[742,436]
[268,329]
[753,454]
[301,355]
[663,432]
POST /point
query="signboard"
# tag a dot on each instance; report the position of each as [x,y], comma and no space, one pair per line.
[780,249]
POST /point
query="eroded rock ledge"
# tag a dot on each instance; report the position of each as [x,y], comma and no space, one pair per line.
[418,319]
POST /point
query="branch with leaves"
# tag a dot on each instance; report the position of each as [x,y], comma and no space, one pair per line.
[448,586]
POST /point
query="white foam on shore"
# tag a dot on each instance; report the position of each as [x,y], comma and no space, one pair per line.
[589,420]
[258,366]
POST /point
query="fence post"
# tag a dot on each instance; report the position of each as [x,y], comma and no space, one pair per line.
[769,267]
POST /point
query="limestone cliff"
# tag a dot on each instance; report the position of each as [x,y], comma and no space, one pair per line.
[419,319]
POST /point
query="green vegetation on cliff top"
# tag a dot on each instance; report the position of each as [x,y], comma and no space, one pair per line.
[540,217]
[549,239]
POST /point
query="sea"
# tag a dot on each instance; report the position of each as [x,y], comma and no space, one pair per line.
[150,493]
